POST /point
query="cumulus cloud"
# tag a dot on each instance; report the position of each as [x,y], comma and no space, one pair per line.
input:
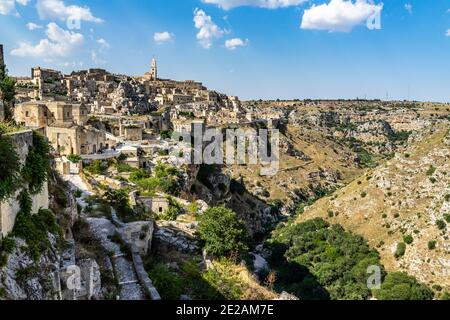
[268,4]
[409,8]
[9,6]
[232,44]
[339,15]
[57,9]
[58,44]
[33,26]
[161,37]
[208,31]
[447,33]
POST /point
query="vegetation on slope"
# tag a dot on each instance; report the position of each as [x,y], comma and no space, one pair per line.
[333,262]
[222,232]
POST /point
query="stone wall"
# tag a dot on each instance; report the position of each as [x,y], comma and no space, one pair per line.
[22,141]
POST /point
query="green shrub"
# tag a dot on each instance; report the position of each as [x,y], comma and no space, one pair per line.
[34,229]
[27,273]
[441,224]
[139,175]
[400,251]
[37,167]
[431,171]
[408,239]
[168,284]
[74,158]
[9,168]
[431,245]
[400,286]
[166,134]
[7,245]
[447,217]
[124,167]
[222,232]
[96,167]
[173,210]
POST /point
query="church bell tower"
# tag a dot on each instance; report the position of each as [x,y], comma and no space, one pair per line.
[154,70]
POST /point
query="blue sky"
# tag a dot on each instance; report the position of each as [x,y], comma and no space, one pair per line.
[251,48]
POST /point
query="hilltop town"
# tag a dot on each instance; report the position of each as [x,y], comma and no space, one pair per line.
[101,184]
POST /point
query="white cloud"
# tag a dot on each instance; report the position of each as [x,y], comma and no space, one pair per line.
[268,4]
[208,30]
[232,44]
[59,43]
[57,9]
[161,37]
[103,44]
[339,15]
[33,26]
[409,8]
[9,6]
[447,33]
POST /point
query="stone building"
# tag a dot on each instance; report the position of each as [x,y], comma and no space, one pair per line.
[33,114]
[39,114]
[157,204]
[69,139]
[180,98]
[9,208]
[80,114]
[132,132]
[184,126]
[64,125]
[45,74]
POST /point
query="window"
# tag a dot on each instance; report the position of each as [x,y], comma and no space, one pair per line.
[27,113]
[160,209]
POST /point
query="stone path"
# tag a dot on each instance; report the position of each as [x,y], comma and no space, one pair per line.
[129,288]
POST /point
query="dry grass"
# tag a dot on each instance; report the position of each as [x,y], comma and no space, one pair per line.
[396,199]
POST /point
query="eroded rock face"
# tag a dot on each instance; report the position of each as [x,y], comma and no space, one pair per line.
[130,98]
[219,188]
[171,235]
[24,279]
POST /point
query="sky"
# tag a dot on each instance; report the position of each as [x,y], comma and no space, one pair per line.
[255,49]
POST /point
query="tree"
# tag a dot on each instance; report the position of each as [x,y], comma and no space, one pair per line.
[7,87]
[222,232]
[119,200]
[401,286]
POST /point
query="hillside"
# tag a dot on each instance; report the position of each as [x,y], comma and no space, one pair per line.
[406,199]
